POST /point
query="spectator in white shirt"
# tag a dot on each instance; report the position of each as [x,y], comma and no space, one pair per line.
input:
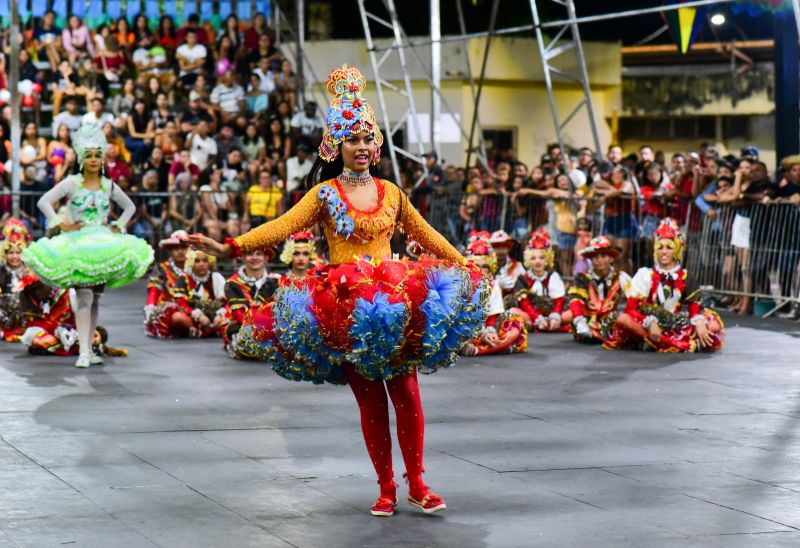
[227,97]
[69,118]
[191,56]
[307,126]
[265,76]
[297,168]
[97,114]
[202,147]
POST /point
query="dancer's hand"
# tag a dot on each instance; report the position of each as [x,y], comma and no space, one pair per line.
[203,320]
[655,332]
[70,227]
[207,245]
[703,334]
[491,339]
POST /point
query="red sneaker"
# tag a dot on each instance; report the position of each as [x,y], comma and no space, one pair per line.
[384,506]
[430,503]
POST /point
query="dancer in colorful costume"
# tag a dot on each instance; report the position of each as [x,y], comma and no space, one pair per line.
[245,292]
[592,302]
[508,269]
[365,319]
[200,292]
[661,312]
[300,253]
[504,332]
[89,253]
[14,239]
[160,308]
[540,292]
[49,315]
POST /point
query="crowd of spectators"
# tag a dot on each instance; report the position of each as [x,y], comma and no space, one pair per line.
[727,204]
[208,133]
[205,128]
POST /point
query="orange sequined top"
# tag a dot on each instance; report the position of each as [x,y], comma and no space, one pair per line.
[372,230]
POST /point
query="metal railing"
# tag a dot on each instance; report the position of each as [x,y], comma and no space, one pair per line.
[751,251]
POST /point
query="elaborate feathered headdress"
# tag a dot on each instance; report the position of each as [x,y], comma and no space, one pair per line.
[480,251]
[540,240]
[15,235]
[89,136]
[299,240]
[349,113]
[668,230]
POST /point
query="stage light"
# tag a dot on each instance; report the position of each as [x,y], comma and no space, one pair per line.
[717,19]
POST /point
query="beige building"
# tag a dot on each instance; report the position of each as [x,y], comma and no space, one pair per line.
[514,104]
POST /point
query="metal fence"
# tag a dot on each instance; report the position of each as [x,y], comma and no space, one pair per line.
[751,251]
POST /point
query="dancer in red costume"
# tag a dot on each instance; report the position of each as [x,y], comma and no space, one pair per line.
[300,253]
[365,319]
[13,240]
[504,332]
[661,312]
[160,308]
[250,288]
[540,292]
[508,269]
[200,292]
[593,301]
[49,316]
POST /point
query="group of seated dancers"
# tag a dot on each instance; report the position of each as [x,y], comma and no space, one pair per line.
[188,297]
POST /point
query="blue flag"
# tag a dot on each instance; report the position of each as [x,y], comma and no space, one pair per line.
[206,10]
[263,6]
[78,8]
[152,9]
[134,8]
[114,9]
[225,9]
[244,10]
[39,8]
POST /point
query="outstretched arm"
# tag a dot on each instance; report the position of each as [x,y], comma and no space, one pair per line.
[304,214]
[419,230]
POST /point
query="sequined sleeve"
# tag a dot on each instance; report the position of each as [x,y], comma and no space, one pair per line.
[304,214]
[418,229]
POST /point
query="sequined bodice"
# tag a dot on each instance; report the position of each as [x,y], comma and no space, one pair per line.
[352,232]
[90,206]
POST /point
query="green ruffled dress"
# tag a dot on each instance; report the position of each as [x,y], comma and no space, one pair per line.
[93,255]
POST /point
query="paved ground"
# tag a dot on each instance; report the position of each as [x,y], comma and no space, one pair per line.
[177,445]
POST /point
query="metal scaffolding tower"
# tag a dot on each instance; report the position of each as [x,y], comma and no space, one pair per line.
[377,60]
[566,39]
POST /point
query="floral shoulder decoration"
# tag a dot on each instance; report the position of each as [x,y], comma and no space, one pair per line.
[338,210]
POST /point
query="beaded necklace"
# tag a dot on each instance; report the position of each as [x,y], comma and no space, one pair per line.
[354,178]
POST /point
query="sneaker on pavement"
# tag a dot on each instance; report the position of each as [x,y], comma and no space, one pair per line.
[384,506]
[83,362]
[429,504]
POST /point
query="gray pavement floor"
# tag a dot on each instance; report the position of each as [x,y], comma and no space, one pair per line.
[567,445]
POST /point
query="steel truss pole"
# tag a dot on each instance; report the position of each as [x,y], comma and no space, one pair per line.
[377,61]
[463,27]
[477,98]
[436,76]
[13,84]
[317,87]
[549,49]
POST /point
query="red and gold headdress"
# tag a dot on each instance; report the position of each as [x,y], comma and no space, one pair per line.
[480,251]
[598,245]
[349,113]
[299,240]
[540,240]
[15,235]
[668,230]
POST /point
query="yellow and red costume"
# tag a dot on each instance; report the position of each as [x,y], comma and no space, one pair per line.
[244,295]
[160,307]
[200,296]
[541,298]
[594,299]
[660,296]
[14,237]
[366,319]
[504,332]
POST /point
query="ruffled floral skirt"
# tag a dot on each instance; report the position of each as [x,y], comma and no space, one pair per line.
[91,256]
[679,336]
[384,318]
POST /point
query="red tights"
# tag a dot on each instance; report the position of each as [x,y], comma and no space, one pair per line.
[374,407]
